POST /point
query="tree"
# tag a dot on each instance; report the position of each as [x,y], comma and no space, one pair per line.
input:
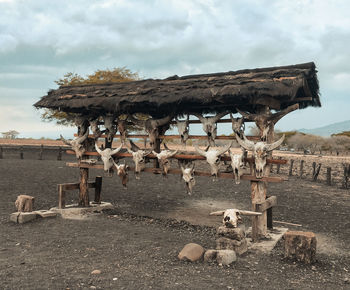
[71,79]
[12,134]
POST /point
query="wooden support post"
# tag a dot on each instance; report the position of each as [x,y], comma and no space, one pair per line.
[41,152]
[278,166]
[59,155]
[84,187]
[61,196]
[1,152]
[291,167]
[346,168]
[259,224]
[316,172]
[21,156]
[313,168]
[301,168]
[98,187]
[300,246]
[329,175]
[157,149]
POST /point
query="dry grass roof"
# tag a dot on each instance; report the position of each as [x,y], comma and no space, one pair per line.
[276,87]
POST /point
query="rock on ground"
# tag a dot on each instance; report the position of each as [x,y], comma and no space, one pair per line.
[226,257]
[192,252]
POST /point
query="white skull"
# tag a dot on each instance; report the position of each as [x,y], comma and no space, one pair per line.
[164,162]
[122,172]
[188,177]
[232,216]
[77,144]
[107,156]
[260,151]
[209,126]
[139,159]
[183,129]
[213,157]
[110,126]
[237,163]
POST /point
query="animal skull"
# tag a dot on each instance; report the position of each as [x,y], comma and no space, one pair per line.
[110,126]
[152,127]
[260,151]
[237,163]
[138,156]
[232,216]
[122,172]
[213,157]
[237,125]
[209,126]
[188,176]
[94,128]
[82,123]
[107,156]
[183,129]
[163,158]
[77,144]
[122,130]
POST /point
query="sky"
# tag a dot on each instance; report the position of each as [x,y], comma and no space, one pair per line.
[41,40]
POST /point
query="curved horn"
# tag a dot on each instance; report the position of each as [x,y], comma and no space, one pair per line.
[115,151]
[188,117]
[83,138]
[245,115]
[200,151]
[155,153]
[173,153]
[219,116]
[163,121]
[222,150]
[200,117]
[134,147]
[272,146]
[165,146]
[231,117]
[98,149]
[220,212]
[248,212]
[246,144]
[65,141]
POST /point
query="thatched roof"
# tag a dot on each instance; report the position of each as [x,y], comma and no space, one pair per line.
[277,87]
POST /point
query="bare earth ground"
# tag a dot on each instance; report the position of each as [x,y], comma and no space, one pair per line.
[136,245]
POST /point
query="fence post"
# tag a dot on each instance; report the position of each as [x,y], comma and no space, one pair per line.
[301,168]
[1,151]
[41,152]
[59,155]
[317,171]
[329,175]
[346,175]
[21,153]
[313,168]
[291,167]
[278,166]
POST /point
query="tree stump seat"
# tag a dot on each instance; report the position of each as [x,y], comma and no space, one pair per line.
[300,246]
[24,203]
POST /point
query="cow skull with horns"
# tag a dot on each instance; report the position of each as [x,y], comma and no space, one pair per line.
[82,123]
[232,216]
[237,125]
[187,169]
[237,163]
[122,172]
[152,127]
[260,151]
[138,156]
[209,126]
[94,127]
[78,144]
[213,157]
[163,158]
[110,126]
[183,129]
[107,156]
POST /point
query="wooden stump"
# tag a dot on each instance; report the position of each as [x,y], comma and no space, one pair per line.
[24,203]
[84,188]
[300,246]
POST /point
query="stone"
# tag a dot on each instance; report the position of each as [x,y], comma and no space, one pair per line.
[240,247]
[22,217]
[210,256]
[300,246]
[191,252]
[231,233]
[226,257]
[96,272]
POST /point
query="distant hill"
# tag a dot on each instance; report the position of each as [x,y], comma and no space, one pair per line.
[328,130]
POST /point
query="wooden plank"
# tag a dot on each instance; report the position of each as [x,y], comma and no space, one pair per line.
[184,156]
[268,203]
[274,179]
[70,186]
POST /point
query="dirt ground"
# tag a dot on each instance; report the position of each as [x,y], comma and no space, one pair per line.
[135,245]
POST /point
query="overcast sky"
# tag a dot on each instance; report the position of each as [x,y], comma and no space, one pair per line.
[41,40]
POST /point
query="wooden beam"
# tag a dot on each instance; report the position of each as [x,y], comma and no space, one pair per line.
[184,156]
[268,203]
[274,179]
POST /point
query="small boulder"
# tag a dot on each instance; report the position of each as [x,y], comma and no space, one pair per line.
[191,252]
[237,234]
[210,256]
[226,257]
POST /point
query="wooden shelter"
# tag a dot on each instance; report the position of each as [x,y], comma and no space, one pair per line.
[253,91]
